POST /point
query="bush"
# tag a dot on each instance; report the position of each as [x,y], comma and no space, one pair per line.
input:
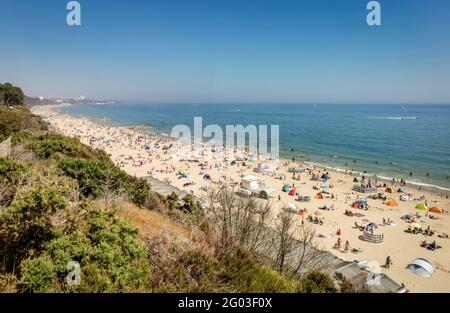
[11,175]
[138,190]
[96,178]
[26,226]
[18,119]
[58,147]
[172,201]
[317,282]
[240,269]
[38,275]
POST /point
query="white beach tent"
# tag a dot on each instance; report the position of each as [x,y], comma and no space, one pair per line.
[250,182]
[421,267]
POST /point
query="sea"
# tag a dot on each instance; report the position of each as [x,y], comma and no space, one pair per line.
[390,141]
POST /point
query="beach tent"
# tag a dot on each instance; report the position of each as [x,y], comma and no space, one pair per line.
[391,203]
[206,177]
[292,192]
[286,188]
[358,204]
[389,190]
[147,147]
[362,201]
[266,193]
[250,182]
[436,209]
[421,206]
[401,189]
[319,196]
[302,212]
[372,225]
[421,267]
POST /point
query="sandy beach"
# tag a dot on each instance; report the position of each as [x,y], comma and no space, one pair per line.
[142,154]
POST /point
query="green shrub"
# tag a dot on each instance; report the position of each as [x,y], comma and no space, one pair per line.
[317,282]
[172,201]
[138,190]
[245,274]
[18,119]
[58,146]
[96,178]
[26,225]
[11,174]
[38,275]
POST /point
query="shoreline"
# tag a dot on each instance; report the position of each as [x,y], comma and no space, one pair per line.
[439,190]
[126,150]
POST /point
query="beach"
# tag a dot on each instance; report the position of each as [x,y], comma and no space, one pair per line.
[142,154]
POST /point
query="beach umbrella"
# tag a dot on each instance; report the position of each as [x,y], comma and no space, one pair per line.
[292,206]
[436,209]
[319,196]
[415,225]
[421,206]
[286,188]
[292,192]
[372,225]
[391,203]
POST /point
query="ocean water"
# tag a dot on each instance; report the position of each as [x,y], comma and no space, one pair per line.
[384,140]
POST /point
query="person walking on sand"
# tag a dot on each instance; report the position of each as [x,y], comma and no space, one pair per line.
[338,244]
[388,262]
[347,246]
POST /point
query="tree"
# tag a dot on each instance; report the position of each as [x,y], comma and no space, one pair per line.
[284,240]
[11,95]
[238,220]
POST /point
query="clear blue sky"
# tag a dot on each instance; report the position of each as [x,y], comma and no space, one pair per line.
[229,51]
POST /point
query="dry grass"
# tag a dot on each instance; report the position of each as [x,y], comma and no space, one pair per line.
[151,223]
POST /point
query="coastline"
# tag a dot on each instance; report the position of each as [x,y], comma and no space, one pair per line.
[342,182]
[417,184]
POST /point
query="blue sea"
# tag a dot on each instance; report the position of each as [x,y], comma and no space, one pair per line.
[384,140]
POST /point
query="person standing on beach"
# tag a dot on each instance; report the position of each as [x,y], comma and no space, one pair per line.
[388,262]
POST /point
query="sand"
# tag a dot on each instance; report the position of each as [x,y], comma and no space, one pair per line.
[126,146]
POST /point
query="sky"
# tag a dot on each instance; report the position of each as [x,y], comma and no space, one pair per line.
[228,51]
